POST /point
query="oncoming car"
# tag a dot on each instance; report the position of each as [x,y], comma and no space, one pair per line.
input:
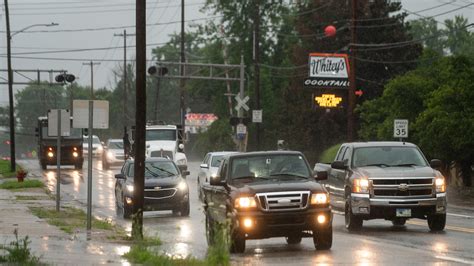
[97,147]
[209,167]
[113,153]
[165,188]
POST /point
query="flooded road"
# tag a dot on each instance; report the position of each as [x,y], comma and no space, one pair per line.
[378,243]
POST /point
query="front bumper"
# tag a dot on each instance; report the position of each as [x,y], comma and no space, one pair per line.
[277,224]
[163,204]
[381,207]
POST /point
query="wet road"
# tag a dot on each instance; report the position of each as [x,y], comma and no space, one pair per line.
[378,242]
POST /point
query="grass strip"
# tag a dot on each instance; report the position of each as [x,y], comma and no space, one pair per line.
[28,183]
[71,219]
[5,169]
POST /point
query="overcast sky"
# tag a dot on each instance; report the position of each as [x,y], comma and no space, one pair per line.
[115,14]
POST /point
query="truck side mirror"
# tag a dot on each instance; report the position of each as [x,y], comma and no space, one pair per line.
[321,175]
[204,166]
[216,181]
[185,173]
[436,163]
[339,165]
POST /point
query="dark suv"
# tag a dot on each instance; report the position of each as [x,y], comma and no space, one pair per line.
[268,194]
[165,188]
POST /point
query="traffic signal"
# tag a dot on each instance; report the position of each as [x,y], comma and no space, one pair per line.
[62,78]
[161,71]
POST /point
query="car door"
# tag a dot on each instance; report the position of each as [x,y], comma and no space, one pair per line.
[337,177]
[219,195]
[119,185]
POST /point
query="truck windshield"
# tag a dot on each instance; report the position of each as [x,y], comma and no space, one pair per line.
[387,157]
[264,167]
[160,134]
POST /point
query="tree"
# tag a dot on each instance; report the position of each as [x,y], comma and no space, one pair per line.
[460,40]
[426,29]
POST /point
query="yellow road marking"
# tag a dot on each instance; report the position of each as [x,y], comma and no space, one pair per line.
[449,227]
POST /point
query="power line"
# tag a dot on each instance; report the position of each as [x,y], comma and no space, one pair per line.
[117,27]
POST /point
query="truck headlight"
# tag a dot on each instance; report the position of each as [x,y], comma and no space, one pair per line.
[181,162]
[182,186]
[75,154]
[361,185]
[440,184]
[245,202]
[319,198]
[130,188]
[50,154]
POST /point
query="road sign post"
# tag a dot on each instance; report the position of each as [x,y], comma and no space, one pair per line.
[58,125]
[400,128]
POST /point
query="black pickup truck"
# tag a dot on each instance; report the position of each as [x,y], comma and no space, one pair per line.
[268,194]
[385,180]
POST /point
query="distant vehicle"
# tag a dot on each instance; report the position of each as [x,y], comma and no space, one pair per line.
[166,141]
[268,194]
[97,146]
[113,153]
[165,188]
[71,146]
[386,180]
[209,167]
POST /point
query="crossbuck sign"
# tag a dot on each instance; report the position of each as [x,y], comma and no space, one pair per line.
[241,102]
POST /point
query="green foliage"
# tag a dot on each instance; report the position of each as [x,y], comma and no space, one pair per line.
[329,154]
[28,183]
[18,252]
[217,138]
[140,254]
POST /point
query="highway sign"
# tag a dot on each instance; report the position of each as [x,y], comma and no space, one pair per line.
[400,128]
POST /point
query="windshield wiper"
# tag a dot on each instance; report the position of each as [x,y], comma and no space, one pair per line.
[163,170]
[151,172]
[405,164]
[292,175]
[376,164]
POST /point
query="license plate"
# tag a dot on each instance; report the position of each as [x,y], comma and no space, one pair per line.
[403,212]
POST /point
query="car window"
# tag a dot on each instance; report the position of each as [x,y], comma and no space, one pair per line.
[340,153]
[269,166]
[115,145]
[206,159]
[346,155]
[216,160]
[388,156]
[223,169]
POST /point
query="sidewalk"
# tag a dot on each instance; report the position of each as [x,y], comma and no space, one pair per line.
[54,246]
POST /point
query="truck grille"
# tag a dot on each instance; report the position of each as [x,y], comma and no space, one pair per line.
[161,193]
[283,201]
[402,187]
[164,154]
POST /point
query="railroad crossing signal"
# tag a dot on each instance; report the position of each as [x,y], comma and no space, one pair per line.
[241,102]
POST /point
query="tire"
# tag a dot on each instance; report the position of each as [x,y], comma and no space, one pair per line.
[322,238]
[437,222]
[44,166]
[352,222]
[78,166]
[399,222]
[292,240]
[237,243]
[185,209]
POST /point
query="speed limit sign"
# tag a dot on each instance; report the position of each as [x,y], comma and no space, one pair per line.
[400,128]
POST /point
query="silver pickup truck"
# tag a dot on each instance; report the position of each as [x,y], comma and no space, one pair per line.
[385,180]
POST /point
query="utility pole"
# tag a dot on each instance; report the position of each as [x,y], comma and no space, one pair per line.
[182,82]
[352,80]
[89,157]
[256,40]
[140,118]
[10,91]
[125,81]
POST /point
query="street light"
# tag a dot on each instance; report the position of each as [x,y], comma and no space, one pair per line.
[10,81]
[52,24]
